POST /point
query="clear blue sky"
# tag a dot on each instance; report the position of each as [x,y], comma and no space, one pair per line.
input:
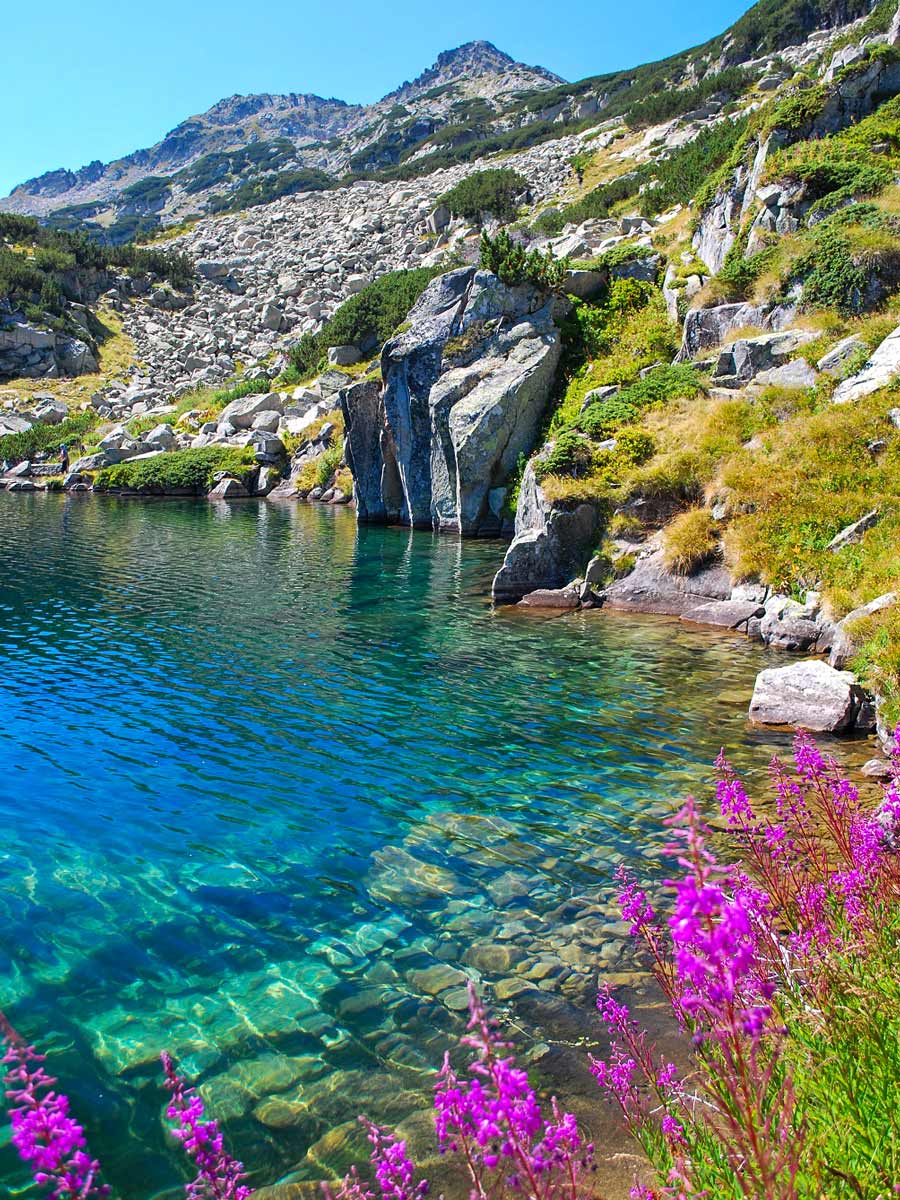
[86,79]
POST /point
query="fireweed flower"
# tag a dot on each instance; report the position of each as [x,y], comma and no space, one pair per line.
[218,1174]
[44,1133]
[394,1170]
[494,1119]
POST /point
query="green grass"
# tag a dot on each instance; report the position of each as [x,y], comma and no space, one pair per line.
[180,471]
[41,438]
[690,541]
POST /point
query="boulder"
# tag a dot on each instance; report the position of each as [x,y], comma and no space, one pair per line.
[563,599]
[161,438]
[436,446]
[763,358]
[50,410]
[343,356]
[585,285]
[882,367]
[268,420]
[706,328]
[854,533]
[367,452]
[844,645]
[833,362]
[809,695]
[551,544]
[228,489]
[13,423]
[241,413]
[725,614]
[653,588]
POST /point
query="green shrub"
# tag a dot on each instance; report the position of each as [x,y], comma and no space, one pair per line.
[41,438]
[514,265]
[495,191]
[180,471]
[326,465]
[841,261]
[603,418]
[568,455]
[366,320]
[634,447]
[670,102]
[679,177]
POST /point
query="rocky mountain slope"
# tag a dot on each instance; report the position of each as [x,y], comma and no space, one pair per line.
[286,143]
[473,101]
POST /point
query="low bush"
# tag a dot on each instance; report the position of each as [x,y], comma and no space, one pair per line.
[496,192]
[180,471]
[514,265]
[690,541]
[43,439]
[366,320]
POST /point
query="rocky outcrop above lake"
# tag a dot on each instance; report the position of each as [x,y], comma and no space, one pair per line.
[551,544]
[464,389]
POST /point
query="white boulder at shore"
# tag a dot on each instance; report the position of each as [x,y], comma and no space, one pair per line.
[811,695]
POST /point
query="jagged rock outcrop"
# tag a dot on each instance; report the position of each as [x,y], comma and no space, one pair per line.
[465,387]
[552,543]
[27,352]
[878,372]
[707,328]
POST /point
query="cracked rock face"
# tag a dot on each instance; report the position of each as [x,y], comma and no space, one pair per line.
[465,388]
[551,544]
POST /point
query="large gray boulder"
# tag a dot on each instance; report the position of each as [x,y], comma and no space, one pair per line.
[810,695]
[747,358]
[551,545]
[241,413]
[882,367]
[465,388]
[707,328]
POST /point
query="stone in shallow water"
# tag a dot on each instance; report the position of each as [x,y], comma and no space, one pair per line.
[506,989]
[224,1096]
[491,958]
[436,979]
[456,1000]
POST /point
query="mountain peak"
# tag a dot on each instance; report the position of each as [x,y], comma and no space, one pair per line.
[474,61]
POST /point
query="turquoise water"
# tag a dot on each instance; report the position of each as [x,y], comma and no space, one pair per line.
[271,785]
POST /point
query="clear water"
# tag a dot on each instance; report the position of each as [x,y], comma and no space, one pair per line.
[269,783]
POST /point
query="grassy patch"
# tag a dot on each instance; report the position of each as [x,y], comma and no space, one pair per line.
[180,471]
[41,438]
[690,541]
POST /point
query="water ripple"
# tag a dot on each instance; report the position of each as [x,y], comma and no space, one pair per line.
[264,776]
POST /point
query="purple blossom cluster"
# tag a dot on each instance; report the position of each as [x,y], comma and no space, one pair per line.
[817,873]
[219,1176]
[45,1134]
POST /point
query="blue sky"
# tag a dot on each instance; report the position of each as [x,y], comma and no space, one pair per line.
[99,78]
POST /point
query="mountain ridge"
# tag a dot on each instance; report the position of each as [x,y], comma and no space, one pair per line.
[472,102]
